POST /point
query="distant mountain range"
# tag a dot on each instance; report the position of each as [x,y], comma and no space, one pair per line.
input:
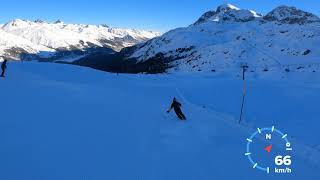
[40,40]
[221,40]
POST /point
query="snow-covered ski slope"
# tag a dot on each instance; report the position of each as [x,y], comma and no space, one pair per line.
[66,122]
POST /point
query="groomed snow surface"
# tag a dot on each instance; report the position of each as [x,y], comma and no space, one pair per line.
[66,122]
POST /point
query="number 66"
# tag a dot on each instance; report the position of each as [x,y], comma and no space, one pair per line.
[285,160]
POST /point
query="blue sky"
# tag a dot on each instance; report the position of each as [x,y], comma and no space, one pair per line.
[160,15]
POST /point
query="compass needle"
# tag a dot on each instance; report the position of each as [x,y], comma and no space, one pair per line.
[268,148]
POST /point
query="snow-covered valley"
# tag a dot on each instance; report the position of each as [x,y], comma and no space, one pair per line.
[67,122]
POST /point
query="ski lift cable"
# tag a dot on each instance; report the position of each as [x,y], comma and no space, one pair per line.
[264,53]
[244,70]
[261,50]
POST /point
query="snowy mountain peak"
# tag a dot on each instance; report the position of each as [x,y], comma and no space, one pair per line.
[105,25]
[39,21]
[17,22]
[58,22]
[228,13]
[229,36]
[291,15]
[227,7]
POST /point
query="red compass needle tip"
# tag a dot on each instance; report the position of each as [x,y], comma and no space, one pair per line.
[268,149]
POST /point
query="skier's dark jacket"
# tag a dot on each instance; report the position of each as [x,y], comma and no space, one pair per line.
[4,65]
[176,106]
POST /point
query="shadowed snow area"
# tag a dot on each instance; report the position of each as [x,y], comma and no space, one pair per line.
[66,122]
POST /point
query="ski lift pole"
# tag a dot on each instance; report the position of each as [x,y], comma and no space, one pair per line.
[243,100]
[244,68]
[243,71]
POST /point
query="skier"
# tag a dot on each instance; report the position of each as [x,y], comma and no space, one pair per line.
[3,67]
[177,108]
